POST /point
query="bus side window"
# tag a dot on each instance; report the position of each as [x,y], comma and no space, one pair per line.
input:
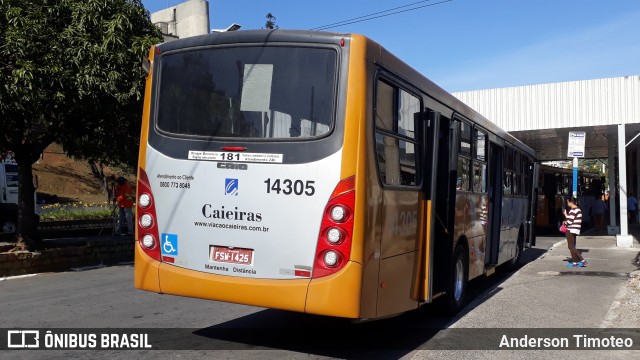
[508,172]
[464,158]
[396,144]
[480,162]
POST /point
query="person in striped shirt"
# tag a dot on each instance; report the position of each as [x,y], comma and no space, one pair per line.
[573,222]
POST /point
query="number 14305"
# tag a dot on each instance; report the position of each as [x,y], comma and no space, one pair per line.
[290,187]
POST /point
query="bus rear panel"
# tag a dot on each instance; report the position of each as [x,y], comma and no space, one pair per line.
[242,169]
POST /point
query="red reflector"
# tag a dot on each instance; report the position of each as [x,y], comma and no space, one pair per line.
[344,186]
[157,50]
[168,259]
[342,42]
[234,148]
[303,273]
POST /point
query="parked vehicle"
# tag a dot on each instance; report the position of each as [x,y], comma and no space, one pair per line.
[9,195]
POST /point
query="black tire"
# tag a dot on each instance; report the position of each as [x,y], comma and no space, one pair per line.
[515,261]
[457,289]
[8,226]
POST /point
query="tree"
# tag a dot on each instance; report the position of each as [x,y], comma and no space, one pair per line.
[70,73]
[271,22]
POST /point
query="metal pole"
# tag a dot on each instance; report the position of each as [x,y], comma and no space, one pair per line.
[575,177]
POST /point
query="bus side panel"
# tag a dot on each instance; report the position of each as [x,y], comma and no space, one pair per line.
[337,295]
[145,271]
[477,233]
[514,211]
[354,143]
[356,159]
[399,239]
[397,284]
[371,241]
[275,294]
[506,229]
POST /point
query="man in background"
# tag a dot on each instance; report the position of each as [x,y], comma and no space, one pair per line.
[124,196]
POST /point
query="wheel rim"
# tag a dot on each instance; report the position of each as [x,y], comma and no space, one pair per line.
[459,279]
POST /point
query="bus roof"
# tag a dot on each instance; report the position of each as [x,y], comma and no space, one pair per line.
[308,36]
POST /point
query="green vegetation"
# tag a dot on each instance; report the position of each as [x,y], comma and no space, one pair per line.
[76,211]
[70,74]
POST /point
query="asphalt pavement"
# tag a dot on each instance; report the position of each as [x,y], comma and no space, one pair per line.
[550,298]
[546,295]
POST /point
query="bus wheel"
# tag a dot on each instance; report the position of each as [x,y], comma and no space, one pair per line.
[515,261]
[458,283]
[8,226]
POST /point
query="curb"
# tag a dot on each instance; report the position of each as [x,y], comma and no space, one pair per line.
[67,256]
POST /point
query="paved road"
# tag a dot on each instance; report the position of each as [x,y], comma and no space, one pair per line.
[105,297]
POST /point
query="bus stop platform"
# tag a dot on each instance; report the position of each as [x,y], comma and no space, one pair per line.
[588,241]
[546,295]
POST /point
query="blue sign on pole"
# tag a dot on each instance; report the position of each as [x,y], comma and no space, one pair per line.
[575,177]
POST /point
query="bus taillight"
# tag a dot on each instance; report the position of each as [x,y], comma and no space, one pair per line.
[334,240]
[146,214]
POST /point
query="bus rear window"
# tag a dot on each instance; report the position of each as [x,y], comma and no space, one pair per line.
[248,92]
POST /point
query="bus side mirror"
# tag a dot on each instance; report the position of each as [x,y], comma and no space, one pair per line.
[146,65]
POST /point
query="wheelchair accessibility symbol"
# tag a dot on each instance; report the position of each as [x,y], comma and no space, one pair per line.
[169,244]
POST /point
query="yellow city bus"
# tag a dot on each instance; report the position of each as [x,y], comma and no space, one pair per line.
[316,172]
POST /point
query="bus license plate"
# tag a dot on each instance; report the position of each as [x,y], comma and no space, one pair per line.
[231,255]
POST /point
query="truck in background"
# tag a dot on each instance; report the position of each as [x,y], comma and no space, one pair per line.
[9,195]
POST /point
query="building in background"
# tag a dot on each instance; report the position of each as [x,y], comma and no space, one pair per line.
[189,18]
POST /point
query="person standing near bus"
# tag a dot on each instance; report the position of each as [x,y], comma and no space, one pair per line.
[573,222]
[124,196]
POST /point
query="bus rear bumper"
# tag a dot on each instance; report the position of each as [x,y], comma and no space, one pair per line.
[336,295]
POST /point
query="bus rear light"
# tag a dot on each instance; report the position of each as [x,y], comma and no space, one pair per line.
[338,213]
[234,148]
[334,235]
[334,240]
[331,258]
[147,233]
[144,200]
[148,241]
[146,221]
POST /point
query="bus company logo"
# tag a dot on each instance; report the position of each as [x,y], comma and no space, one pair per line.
[20,339]
[231,187]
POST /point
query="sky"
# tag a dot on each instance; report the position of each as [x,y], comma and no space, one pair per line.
[465,45]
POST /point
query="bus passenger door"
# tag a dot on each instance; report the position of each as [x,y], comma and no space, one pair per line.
[443,193]
[534,173]
[495,204]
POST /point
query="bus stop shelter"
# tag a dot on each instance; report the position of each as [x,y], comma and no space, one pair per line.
[606,110]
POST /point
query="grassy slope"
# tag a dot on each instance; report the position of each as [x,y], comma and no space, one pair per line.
[68,179]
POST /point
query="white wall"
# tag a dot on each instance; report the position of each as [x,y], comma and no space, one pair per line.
[190,18]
